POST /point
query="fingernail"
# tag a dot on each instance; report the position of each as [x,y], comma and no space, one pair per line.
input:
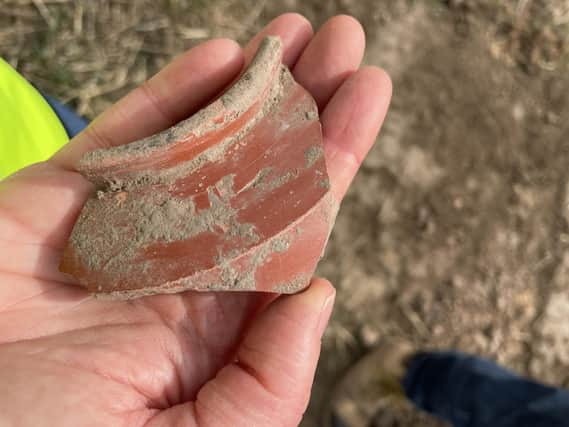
[319,296]
[326,312]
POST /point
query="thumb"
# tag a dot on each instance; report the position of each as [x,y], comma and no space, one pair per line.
[269,383]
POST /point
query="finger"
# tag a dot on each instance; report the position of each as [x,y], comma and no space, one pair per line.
[334,53]
[38,206]
[270,382]
[295,32]
[170,96]
[351,122]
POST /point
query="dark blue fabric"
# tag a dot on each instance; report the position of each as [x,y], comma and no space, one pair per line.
[72,122]
[468,391]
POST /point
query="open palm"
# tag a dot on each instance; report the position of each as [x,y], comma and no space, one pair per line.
[207,359]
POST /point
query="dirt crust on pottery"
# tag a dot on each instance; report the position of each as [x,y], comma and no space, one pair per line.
[236,197]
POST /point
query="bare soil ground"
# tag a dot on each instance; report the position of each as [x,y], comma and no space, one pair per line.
[456,232]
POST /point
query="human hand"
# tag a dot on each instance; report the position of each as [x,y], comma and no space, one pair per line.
[207,359]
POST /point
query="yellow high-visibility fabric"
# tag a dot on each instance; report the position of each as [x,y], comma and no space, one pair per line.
[30,131]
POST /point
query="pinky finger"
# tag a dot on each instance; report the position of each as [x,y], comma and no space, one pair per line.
[351,122]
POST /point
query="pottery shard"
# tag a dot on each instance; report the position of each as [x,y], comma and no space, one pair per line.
[236,197]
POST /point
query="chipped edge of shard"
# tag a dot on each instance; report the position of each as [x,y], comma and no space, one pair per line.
[185,283]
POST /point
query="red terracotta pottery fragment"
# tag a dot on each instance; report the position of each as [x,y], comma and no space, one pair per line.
[236,197]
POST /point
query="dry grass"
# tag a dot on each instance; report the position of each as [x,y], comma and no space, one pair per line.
[90,52]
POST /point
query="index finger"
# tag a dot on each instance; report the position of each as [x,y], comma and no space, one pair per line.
[170,96]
